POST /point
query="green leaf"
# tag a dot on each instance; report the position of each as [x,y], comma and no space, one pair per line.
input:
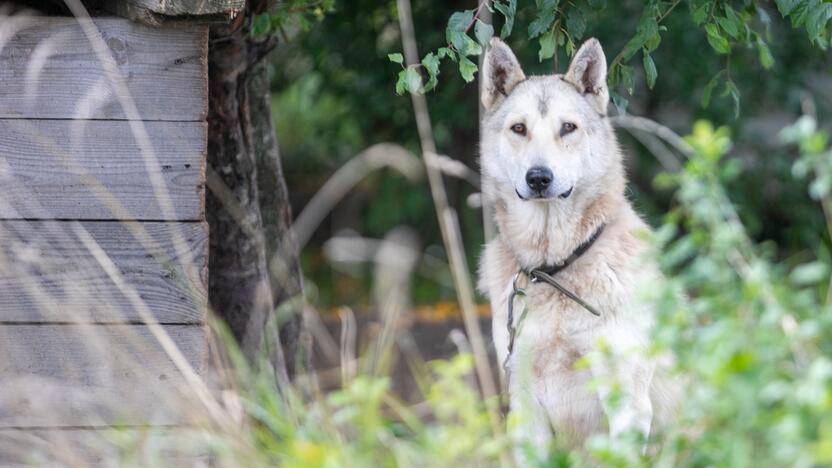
[396,58]
[709,88]
[734,92]
[731,23]
[509,10]
[470,46]
[467,68]
[431,64]
[576,24]
[647,28]
[460,20]
[484,32]
[409,80]
[457,24]
[716,40]
[729,27]
[542,23]
[613,76]
[649,70]
[570,46]
[816,19]
[627,78]
[620,102]
[700,13]
[547,46]
[810,273]
[787,6]
[766,59]
[446,52]
[401,82]
[653,43]
[261,25]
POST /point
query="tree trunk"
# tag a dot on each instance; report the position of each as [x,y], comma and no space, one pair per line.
[254,270]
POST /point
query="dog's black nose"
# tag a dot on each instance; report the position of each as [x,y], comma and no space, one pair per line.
[539,178]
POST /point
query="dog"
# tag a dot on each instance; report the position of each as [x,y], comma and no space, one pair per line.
[553,171]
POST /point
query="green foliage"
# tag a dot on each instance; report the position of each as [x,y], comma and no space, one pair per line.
[311,120]
[751,338]
[290,14]
[508,10]
[814,15]
[563,24]
[816,156]
[363,423]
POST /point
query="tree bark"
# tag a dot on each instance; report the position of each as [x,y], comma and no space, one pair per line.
[247,205]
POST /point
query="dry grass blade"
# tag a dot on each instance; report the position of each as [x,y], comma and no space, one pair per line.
[371,159]
[449,228]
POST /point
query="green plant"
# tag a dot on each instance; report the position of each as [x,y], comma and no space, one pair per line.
[561,24]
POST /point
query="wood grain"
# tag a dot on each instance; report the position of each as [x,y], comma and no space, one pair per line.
[95,375]
[96,170]
[49,70]
[227,8]
[47,274]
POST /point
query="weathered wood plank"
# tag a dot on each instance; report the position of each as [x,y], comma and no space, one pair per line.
[48,274]
[155,12]
[49,70]
[96,375]
[93,169]
[142,446]
[190,7]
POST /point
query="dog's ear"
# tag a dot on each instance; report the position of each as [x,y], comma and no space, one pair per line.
[500,73]
[588,71]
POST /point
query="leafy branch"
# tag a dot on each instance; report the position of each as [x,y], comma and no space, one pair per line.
[296,13]
[560,24]
[460,46]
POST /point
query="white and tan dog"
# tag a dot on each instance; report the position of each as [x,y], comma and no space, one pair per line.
[553,170]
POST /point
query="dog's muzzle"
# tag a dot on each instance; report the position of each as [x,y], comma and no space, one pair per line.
[541,185]
[543,196]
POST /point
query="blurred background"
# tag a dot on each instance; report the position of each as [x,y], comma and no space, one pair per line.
[333,96]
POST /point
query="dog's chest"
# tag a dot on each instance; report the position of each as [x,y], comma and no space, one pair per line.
[553,332]
[547,365]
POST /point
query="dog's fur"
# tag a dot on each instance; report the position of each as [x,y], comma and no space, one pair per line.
[546,389]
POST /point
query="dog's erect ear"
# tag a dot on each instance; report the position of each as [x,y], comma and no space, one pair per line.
[588,71]
[500,73]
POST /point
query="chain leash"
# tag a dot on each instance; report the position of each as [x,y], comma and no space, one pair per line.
[535,276]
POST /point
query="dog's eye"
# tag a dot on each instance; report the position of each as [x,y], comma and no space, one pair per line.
[519,128]
[567,128]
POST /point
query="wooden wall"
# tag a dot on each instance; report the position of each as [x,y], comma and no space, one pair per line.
[102,226]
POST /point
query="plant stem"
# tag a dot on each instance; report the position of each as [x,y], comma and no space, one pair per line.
[826,204]
[449,228]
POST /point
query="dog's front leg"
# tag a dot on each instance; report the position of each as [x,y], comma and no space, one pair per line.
[624,391]
[531,430]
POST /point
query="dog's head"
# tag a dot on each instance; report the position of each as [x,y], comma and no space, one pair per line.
[546,139]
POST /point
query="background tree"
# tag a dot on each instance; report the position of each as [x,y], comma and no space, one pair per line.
[255,280]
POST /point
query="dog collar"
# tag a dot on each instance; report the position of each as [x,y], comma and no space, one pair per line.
[546,274]
[552,270]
